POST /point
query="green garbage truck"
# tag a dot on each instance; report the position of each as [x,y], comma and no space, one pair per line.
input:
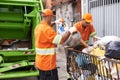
[18,19]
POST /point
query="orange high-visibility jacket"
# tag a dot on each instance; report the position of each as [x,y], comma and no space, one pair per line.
[89,31]
[45,40]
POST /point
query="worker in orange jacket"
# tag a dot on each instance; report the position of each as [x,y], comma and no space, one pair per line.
[86,29]
[46,40]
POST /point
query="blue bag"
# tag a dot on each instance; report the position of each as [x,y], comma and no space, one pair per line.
[61,28]
[81,60]
[85,63]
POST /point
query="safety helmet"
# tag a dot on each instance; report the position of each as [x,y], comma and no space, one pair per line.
[47,12]
[87,17]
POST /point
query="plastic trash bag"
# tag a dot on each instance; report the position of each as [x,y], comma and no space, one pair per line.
[105,40]
[112,50]
[85,64]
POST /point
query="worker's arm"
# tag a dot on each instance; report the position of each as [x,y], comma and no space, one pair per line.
[58,39]
[67,34]
[84,43]
[65,37]
[89,48]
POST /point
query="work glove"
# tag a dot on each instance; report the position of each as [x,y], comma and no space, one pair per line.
[72,29]
[96,44]
[58,21]
[88,50]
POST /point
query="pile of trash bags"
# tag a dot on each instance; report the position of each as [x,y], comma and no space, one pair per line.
[111,45]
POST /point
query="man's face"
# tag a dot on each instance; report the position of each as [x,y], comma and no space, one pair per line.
[84,23]
[49,18]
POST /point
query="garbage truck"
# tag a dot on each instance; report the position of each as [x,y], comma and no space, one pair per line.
[18,18]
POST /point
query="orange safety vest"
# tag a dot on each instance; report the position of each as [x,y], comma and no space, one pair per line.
[89,31]
[45,40]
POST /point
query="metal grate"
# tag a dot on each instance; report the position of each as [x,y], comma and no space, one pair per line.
[96,68]
[106,16]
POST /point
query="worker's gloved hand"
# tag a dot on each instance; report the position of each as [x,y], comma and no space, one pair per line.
[95,45]
[98,44]
[73,29]
[87,50]
[58,21]
[66,28]
[90,49]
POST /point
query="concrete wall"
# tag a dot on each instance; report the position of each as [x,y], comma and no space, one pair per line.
[65,11]
[70,10]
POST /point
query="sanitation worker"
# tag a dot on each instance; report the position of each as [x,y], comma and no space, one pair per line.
[46,40]
[86,30]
